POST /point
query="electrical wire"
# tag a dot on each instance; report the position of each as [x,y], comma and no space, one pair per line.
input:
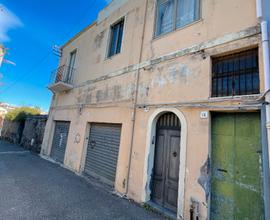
[44,58]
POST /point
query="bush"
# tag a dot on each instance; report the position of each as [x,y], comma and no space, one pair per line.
[20,114]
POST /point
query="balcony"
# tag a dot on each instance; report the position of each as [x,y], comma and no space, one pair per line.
[62,79]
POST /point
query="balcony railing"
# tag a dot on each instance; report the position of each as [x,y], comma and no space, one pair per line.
[62,79]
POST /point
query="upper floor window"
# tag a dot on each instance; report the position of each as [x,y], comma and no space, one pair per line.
[70,70]
[116,38]
[174,14]
[236,74]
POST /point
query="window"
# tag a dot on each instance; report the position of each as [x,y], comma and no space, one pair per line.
[236,74]
[174,14]
[71,65]
[116,38]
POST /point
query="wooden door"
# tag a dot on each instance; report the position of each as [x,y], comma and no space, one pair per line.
[166,163]
[236,186]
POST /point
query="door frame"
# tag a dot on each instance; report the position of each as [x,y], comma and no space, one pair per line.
[149,157]
[265,157]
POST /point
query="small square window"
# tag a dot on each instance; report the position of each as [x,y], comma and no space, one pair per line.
[116,38]
[236,74]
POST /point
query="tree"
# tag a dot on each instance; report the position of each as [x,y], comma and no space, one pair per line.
[20,114]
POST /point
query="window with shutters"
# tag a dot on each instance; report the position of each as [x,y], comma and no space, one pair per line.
[116,38]
[236,74]
[175,14]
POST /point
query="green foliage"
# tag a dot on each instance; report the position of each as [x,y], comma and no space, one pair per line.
[19,114]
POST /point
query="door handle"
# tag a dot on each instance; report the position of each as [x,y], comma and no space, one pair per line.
[174,154]
[92,144]
[222,170]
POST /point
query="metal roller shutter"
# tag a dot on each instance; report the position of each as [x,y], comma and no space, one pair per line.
[102,151]
[60,141]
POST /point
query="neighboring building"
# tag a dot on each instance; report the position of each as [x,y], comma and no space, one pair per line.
[163,100]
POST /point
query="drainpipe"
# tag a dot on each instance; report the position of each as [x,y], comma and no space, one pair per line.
[266,65]
[135,100]
[266,57]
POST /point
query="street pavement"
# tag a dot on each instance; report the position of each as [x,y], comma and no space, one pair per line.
[32,188]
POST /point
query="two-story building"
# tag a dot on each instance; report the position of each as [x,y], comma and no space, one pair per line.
[165,101]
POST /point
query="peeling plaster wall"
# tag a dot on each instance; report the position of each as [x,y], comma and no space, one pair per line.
[77,139]
[218,18]
[92,45]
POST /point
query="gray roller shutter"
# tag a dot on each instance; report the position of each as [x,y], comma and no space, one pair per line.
[60,141]
[102,151]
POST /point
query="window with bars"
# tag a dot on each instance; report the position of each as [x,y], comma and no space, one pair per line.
[174,14]
[116,38]
[236,74]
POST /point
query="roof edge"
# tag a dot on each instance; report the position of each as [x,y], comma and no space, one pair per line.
[78,34]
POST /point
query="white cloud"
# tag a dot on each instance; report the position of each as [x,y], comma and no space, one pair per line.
[8,21]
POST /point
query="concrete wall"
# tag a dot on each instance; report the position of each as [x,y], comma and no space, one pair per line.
[172,71]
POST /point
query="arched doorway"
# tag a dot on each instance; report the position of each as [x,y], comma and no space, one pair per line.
[165,174]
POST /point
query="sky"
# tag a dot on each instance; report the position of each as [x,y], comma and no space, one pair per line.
[29,29]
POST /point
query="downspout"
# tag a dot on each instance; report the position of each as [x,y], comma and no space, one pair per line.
[135,100]
[266,57]
[266,65]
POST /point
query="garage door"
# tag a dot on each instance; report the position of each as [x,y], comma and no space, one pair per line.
[236,191]
[60,141]
[102,151]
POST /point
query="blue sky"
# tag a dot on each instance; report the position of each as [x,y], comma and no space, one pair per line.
[29,29]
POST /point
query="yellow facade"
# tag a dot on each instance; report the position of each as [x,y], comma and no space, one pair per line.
[149,76]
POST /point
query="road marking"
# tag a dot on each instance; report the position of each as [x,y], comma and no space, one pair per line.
[14,152]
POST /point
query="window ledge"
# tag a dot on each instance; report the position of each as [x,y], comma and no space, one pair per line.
[155,38]
[235,98]
[112,57]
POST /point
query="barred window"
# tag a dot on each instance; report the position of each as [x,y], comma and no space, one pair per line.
[236,74]
[174,14]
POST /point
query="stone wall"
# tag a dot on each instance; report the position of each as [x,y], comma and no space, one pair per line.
[28,133]
[33,132]
[12,131]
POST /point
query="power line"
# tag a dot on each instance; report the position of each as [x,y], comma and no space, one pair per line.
[44,58]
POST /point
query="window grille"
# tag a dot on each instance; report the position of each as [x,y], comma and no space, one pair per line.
[236,74]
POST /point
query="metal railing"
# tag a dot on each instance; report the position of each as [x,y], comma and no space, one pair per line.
[63,74]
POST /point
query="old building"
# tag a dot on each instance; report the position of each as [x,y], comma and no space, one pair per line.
[165,100]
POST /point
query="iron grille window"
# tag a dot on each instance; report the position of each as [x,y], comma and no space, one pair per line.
[174,14]
[236,74]
[116,38]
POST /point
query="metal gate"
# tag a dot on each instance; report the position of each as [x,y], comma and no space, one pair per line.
[60,141]
[102,151]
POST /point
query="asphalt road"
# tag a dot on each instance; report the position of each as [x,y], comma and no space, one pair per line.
[32,188]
